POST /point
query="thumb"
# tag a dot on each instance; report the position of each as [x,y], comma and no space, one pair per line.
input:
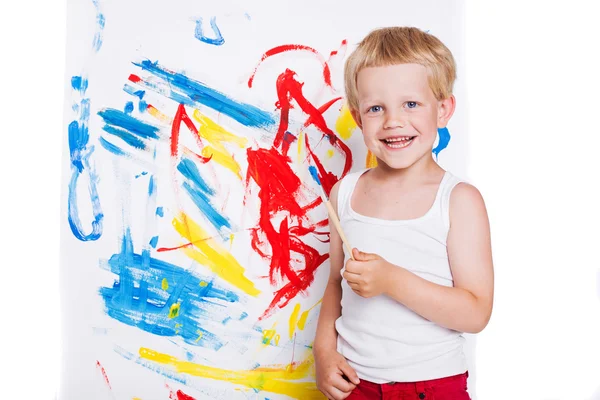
[362,256]
[349,372]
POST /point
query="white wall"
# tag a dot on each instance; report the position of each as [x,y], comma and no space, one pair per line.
[533,90]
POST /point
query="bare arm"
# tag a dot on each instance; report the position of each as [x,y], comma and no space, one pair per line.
[467,306]
[331,309]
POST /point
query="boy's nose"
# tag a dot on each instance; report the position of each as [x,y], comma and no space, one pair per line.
[394,122]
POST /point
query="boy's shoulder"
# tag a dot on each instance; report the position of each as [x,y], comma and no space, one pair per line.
[466,198]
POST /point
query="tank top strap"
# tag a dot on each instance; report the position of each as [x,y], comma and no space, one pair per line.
[347,185]
[443,198]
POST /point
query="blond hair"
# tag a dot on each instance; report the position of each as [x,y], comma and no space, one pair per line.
[401,45]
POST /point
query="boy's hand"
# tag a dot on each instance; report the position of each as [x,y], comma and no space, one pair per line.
[332,369]
[367,274]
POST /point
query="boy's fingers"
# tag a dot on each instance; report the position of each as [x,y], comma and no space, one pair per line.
[349,372]
[351,277]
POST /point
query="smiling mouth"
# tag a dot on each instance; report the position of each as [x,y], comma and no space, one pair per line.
[398,142]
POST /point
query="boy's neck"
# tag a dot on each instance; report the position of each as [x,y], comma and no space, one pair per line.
[423,169]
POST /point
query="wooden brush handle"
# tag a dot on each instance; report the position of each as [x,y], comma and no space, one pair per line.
[338,227]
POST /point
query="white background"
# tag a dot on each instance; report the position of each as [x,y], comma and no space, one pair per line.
[533,87]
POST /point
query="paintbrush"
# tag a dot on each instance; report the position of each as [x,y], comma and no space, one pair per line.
[332,215]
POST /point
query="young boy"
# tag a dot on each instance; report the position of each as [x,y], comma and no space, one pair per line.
[393,314]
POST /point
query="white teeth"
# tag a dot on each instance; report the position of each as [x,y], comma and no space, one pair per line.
[398,143]
[400,139]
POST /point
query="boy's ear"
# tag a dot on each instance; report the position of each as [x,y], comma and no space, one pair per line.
[446,109]
[356,116]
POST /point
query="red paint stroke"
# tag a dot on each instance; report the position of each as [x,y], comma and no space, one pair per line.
[294,47]
[99,366]
[183,396]
[182,116]
[278,191]
[134,78]
[289,88]
[179,395]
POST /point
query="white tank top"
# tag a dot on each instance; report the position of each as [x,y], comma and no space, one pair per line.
[383,340]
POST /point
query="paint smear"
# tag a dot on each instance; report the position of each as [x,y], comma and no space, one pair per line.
[217,40]
[371,160]
[158,115]
[278,189]
[216,135]
[330,153]
[129,123]
[100,22]
[174,312]
[294,320]
[294,47]
[193,93]
[288,89]
[345,123]
[444,140]
[165,284]
[103,372]
[200,193]
[278,379]
[136,298]
[209,253]
[80,154]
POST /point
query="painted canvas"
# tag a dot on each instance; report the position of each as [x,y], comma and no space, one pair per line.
[194,241]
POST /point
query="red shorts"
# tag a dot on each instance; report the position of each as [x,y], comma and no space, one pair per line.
[450,388]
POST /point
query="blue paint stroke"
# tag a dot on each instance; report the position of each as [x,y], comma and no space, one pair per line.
[199,192]
[142,174]
[80,154]
[444,136]
[126,136]
[143,106]
[129,107]
[217,41]
[160,211]
[314,174]
[79,84]
[129,123]
[133,91]
[100,22]
[154,242]
[137,298]
[112,148]
[194,93]
[151,187]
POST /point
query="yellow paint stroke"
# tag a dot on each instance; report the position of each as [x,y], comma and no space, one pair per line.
[165,284]
[136,398]
[159,115]
[345,124]
[300,146]
[224,159]
[209,253]
[371,160]
[294,320]
[203,284]
[216,135]
[200,334]
[231,237]
[269,379]
[174,311]
[304,316]
[330,153]
[271,334]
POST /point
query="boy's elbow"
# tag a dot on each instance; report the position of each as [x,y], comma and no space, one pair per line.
[480,322]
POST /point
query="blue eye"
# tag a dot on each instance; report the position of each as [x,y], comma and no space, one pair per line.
[412,104]
[374,109]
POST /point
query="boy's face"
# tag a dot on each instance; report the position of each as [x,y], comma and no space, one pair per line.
[399,114]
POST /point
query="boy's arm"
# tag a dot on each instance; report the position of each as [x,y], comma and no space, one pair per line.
[467,306]
[331,309]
